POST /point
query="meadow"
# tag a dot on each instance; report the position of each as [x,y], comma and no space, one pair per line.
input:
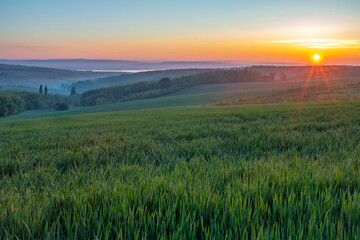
[266,171]
[221,94]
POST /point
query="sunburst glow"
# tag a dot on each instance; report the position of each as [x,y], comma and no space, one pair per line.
[316,57]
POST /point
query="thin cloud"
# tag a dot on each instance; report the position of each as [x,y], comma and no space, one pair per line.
[322,43]
[25,47]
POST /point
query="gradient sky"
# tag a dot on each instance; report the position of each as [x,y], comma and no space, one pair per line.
[249,31]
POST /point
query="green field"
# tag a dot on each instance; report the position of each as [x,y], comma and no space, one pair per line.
[161,102]
[285,171]
[196,96]
[234,90]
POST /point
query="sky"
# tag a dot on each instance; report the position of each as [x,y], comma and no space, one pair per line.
[288,31]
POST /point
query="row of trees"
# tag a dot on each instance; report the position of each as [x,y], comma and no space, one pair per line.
[141,90]
[16,102]
[45,91]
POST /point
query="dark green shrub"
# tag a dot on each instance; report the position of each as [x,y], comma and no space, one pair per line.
[61,107]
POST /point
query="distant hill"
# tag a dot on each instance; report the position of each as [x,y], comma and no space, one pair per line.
[94,64]
[307,72]
[10,88]
[126,78]
[17,75]
[293,73]
[151,89]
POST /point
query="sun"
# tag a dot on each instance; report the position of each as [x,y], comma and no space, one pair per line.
[316,57]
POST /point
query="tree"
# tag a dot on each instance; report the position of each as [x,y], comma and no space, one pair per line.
[41,89]
[100,101]
[10,104]
[73,90]
[272,76]
[32,101]
[46,90]
[61,106]
[283,77]
[164,83]
[17,104]
[4,101]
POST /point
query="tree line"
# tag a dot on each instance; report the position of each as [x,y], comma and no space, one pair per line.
[142,90]
[15,102]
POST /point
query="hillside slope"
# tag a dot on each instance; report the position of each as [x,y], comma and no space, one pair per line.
[214,93]
[127,78]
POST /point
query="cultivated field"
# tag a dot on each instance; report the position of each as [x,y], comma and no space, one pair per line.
[245,172]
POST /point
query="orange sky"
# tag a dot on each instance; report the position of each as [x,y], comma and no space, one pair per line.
[283,32]
[194,49]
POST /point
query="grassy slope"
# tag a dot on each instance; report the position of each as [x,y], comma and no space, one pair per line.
[254,88]
[162,102]
[194,96]
[267,171]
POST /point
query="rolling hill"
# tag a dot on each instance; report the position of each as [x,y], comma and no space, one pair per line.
[126,78]
[204,95]
[29,76]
